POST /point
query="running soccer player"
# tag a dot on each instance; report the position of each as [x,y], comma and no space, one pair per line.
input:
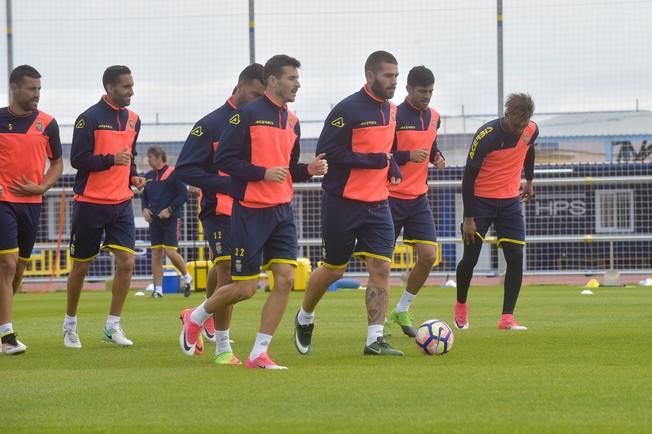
[500,151]
[356,220]
[162,201]
[103,148]
[415,147]
[196,167]
[28,137]
[260,150]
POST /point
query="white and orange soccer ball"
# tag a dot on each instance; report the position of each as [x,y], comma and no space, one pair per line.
[434,337]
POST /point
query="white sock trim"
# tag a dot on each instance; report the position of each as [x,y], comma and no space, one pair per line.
[374,332]
[261,345]
[406,300]
[199,315]
[305,318]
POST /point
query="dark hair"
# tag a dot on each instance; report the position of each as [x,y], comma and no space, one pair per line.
[158,152]
[519,105]
[420,76]
[21,72]
[376,58]
[252,72]
[112,74]
[274,66]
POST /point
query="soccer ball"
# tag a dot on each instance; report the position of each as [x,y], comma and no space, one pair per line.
[434,337]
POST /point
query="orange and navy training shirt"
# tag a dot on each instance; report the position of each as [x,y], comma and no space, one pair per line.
[415,129]
[195,165]
[25,143]
[357,136]
[261,135]
[101,132]
[495,162]
[164,189]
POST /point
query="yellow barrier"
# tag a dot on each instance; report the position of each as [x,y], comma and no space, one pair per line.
[301,275]
[44,263]
[199,272]
[404,256]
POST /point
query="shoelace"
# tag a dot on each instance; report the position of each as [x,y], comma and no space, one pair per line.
[72,335]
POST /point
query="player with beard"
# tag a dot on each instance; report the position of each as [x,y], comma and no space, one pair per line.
[103,149]
[28,137]
[356,220]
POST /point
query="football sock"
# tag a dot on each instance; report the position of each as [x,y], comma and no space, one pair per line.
[6,328]
[261,345]
[199,315]
[513,275]
[305,318]
[465,268]
[112,321]
[374,332]
[187,278]
[223,342]
[70,322]
[406,300]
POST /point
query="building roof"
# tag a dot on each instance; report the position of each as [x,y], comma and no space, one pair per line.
[623,123]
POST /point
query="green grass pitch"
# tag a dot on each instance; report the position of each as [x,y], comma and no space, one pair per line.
[585,365]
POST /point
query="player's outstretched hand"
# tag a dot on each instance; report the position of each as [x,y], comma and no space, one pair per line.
[318,166]
[276,174]
[468,230]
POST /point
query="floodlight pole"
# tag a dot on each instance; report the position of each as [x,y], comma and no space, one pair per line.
[252,33]
[502,264]
[499,57]
[10,48]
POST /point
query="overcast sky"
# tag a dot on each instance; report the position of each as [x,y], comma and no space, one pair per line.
[185,56]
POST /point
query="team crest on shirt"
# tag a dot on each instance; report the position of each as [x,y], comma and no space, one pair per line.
[339,122]
[235,119]
[197,131]
[39,126]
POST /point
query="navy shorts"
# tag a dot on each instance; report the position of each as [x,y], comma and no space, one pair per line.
[217,231]
[261,236]
[164,233]
[351,227]
[505,214]
[19,223]
[414,217]
[90,221]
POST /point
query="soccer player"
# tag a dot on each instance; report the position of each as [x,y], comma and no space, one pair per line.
[260,150]
[415,146]
[357,139]
[500,151]
[196,167]
[103,148]
[162,200]
[28,137]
